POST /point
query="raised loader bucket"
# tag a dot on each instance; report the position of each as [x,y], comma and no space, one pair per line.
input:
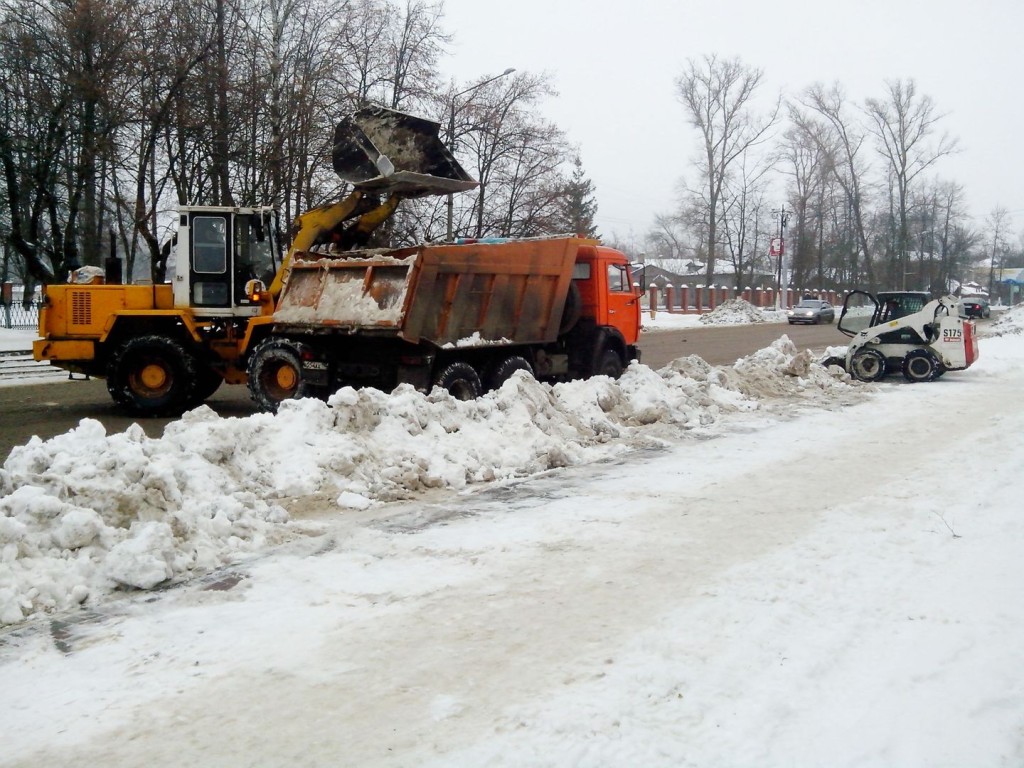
[387,152]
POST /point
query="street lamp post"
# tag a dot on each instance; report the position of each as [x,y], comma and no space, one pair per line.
[451,139]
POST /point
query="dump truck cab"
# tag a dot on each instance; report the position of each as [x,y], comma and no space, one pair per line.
[607,292]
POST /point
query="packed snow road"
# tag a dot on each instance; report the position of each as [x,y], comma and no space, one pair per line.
[824,579]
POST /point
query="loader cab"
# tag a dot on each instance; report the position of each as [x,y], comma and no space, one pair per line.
[219,250]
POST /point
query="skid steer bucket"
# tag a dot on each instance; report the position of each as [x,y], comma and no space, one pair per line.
[387,152]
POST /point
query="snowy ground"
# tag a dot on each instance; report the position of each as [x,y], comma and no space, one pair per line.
[758,565]
[16,341]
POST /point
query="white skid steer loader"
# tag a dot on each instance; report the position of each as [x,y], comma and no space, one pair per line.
[907,332]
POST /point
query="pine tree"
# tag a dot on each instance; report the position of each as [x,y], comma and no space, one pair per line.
[578,206]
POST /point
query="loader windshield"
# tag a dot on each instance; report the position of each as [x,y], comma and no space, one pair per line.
[256,254]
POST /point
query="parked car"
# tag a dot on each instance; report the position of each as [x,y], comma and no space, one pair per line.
[975,306]
[811,311]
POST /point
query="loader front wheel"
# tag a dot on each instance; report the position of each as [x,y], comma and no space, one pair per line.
[460,380]
[275,374]
[152,376]
[868,365]
[920,365]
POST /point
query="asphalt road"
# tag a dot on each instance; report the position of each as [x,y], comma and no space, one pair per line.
[53,408]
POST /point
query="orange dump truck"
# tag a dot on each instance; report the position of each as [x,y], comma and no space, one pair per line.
[462,316]
[324,314]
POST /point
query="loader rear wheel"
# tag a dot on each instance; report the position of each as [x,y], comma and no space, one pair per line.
[503,371]
[868,365]
[275,374]
[921,365]
[460,379]
[152,376]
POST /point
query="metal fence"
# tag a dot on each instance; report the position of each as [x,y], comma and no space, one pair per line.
[17,316]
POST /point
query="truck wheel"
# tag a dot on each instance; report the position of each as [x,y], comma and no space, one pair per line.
[609,364]
[152,376]
[275,374]
[460,380]
[868,365]
[920,365]
[503,371]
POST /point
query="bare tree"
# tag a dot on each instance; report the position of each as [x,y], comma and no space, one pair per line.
[742,217]
[998,225]
[416,44]
[516,156]
[718,94]
[827,123]
[903,122]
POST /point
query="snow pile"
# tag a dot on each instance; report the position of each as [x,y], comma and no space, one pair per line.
[85,512]
[1010,322]
[740,312]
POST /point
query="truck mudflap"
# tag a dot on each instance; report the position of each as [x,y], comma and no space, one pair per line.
[384,151]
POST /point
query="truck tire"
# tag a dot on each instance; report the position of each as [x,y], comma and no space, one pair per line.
[504,369]
[867,365]
[152,376]
[275,374]
[460,379]
[609,364]
[921,365]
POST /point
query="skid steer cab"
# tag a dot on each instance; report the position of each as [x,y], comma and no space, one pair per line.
[907,332]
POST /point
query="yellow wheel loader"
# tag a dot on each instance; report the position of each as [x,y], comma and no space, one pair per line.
[166,348]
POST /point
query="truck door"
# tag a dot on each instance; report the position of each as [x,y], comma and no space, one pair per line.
[623,302]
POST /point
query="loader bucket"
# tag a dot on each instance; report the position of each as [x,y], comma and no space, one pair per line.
[383,151]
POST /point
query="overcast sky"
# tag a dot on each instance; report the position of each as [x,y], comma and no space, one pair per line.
[614,65]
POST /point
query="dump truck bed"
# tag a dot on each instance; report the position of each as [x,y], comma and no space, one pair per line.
[465,294]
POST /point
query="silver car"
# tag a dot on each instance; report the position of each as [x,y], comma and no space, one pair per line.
[811,311]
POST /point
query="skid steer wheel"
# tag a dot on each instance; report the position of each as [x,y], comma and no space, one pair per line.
[275,374]
[921,365]
[868,365]
[460,380]
[504,369]
[609,364]
[152,376]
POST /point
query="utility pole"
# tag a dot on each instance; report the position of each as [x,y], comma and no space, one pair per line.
[778,249]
